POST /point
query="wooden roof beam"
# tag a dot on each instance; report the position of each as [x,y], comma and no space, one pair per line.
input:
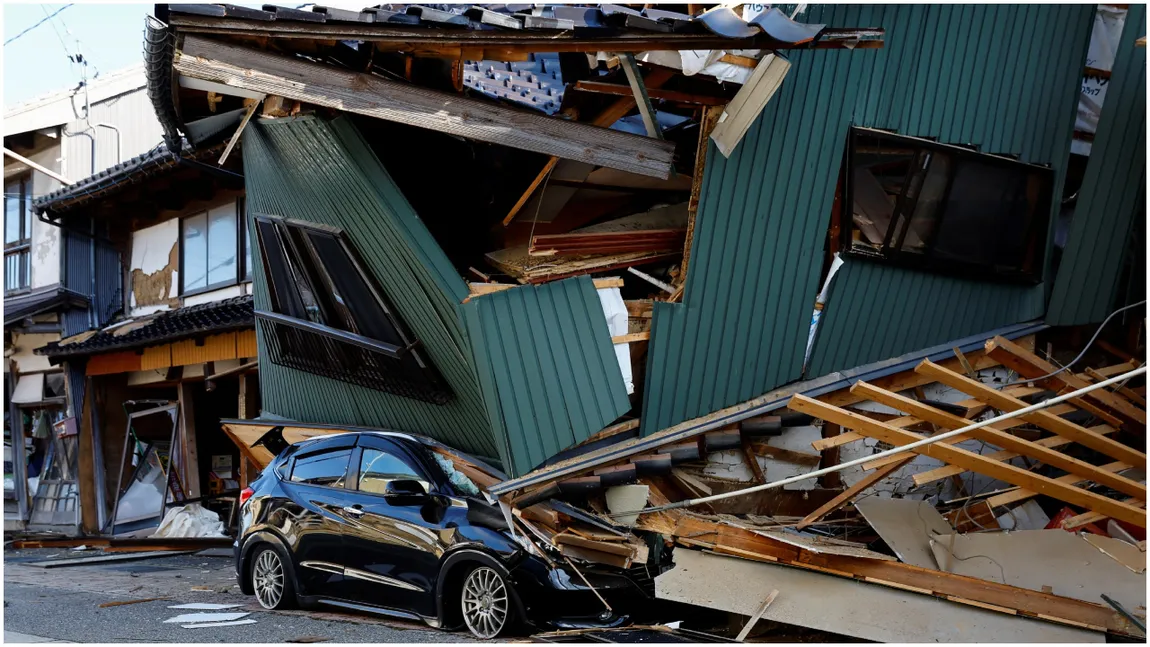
[1029,365]
[1044,419]
[373,96]
[974,462]
[995,436]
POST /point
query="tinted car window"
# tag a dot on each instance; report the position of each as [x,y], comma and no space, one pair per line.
[378,468]
[328,469]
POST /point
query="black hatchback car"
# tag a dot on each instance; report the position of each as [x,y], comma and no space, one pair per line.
[372,521]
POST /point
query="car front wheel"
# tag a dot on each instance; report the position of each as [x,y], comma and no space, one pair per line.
[486,600]
[271,581]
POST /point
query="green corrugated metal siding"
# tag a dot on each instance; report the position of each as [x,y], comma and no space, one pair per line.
[1004,77]
[1113,191]
[323,172]
[547,367]
[532,368]
[933,309]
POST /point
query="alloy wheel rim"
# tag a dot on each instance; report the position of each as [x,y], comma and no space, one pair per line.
[485,603]
[268,579]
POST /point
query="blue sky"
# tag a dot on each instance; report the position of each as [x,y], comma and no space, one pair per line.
[110,36]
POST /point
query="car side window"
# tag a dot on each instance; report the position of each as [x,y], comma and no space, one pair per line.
[329,469]
[378,468]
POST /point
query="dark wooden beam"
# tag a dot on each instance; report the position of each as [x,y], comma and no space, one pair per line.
[365,94]
[600,87]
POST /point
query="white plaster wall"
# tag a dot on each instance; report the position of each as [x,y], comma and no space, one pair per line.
[21,353]
[216,295]
[151,253]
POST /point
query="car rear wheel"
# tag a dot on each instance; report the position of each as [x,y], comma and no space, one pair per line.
[486,601]
[270,579]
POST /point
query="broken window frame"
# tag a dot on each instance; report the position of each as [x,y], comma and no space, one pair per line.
[243,263]
[1030,271]
[18,252]
[303,337]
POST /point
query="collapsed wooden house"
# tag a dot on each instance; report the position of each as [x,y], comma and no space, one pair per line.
[557,238]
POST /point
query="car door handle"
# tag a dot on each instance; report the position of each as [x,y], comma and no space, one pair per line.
[353,509]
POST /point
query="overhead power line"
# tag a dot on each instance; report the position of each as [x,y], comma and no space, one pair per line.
[46,19]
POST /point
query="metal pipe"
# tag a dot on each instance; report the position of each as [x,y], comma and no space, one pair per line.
[902,449]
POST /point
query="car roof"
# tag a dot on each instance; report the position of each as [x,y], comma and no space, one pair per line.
[422,440]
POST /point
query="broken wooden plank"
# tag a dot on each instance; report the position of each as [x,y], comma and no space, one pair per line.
[707,121]
[576,243]
[991,434]
[370,95]
[749,102]
[755,618]
[1087,518]
[252,105]
[974,462]
[1044,419]
[947,471]
[1029,366]
[698,531]
[1022,494]
[851,492]
[631,337]
[1125,391]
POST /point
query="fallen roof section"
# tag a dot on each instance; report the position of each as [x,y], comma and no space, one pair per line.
[553,28]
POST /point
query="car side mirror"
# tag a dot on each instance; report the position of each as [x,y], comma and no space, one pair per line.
[404,489]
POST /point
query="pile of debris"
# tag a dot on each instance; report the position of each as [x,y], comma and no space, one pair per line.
[1033,523]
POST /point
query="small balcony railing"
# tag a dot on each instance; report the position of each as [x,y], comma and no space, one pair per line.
[348,357]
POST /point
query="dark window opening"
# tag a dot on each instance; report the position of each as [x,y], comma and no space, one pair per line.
[917,203]
[18,234]
[330,318]
[214,249]
[328,469]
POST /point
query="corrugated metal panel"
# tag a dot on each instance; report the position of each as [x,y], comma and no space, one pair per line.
[140,132]
[926,309]
[547,367]
[78,270]
[324,172]
[1004,77]
[156,357]
[213,348]
[246,345]
[1113,191]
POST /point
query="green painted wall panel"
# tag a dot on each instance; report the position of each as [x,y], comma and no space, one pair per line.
[1113,192]
[1003,77]
[532,368]
[547,366]
[322,171]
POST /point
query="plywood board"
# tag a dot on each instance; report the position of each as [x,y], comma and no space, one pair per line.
[906,526]
[1033,559]
[844,606]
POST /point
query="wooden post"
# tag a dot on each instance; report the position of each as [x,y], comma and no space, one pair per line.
[247,410]
[191,462]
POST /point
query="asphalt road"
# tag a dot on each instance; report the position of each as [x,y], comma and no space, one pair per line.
[64,604]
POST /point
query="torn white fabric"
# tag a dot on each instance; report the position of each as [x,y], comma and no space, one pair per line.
[190,520]
[700,61]
[208,617]
[616,313]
